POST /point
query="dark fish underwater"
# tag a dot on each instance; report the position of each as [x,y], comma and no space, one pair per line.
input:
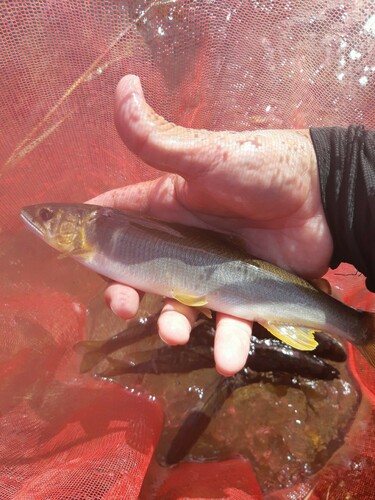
[269,361]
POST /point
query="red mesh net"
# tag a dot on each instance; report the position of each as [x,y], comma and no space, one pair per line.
[237,65]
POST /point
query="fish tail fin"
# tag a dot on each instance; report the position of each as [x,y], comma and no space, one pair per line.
[368,347]
[91,354]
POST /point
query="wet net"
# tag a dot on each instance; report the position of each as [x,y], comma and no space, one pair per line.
[214,64]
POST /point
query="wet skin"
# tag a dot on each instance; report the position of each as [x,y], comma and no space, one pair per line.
[263,186]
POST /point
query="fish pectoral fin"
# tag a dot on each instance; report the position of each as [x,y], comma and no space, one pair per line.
[296,336]
[193,301]
[190,300]
[64,255]
[75,253]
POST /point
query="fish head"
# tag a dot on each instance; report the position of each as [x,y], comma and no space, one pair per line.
[62,226]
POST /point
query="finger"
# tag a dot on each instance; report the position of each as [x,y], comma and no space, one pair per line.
[123,300]
[232,343]
[211,161]
[163,145]
[175,322]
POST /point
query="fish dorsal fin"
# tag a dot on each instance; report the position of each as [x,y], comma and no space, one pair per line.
[296,336]
[323,285]
[156,225]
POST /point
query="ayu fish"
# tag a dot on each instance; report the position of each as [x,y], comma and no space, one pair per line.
[199,268]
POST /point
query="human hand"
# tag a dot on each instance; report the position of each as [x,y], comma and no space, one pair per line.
[262,186]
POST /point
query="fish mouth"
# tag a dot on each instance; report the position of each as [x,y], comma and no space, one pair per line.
[30,223]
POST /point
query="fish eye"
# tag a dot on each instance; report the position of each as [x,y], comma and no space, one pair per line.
[46,214]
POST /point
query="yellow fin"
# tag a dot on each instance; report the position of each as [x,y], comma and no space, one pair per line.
[190,300]
[63,255]
[74,253]
[207,312]
[296,336]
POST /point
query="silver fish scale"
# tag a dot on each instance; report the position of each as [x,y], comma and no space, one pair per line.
[143,259]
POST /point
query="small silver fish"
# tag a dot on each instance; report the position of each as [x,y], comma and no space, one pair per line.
[199,268]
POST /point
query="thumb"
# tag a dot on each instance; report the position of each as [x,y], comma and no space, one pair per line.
[163,145]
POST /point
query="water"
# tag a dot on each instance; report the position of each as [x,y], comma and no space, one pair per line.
[288,430]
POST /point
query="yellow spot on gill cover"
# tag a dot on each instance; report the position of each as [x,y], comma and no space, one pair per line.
[77,245]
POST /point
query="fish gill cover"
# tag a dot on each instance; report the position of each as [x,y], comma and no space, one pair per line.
[218,65]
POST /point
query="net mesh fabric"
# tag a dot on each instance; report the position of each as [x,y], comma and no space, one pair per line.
[238,65]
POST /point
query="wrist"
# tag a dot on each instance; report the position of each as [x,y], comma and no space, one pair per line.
[346,166]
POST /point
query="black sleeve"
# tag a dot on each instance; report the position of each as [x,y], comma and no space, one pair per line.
[346,164]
